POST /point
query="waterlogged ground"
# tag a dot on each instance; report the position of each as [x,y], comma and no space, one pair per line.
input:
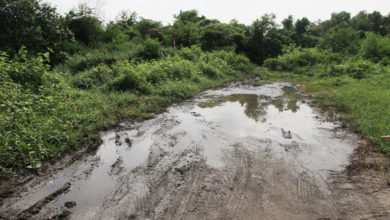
[248,151]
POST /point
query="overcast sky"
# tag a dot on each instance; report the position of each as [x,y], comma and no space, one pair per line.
[245,11]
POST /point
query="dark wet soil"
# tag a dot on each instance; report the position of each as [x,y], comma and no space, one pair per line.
[248,151]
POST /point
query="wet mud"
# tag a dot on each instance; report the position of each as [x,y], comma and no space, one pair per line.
[248,151]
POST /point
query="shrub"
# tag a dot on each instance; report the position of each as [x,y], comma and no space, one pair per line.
[176,89]
[376,48]
[105,54]
[209,70]
[149,50]
[275,64]
[29,72]
[129,79]
[31,103]
[95,77]
[192,53]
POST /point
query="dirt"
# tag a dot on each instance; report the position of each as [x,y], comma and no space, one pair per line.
[248,151]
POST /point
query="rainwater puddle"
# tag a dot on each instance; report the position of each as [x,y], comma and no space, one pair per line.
[293,129]
[93,180]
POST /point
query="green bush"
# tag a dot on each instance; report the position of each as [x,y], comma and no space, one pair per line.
[177,89]
[129,78]
[192,53]
[209,70]
[312,62]
[95,77]
[300,57]
[276,64]
[104,54]
[29,72]
[376,48]
[32,128]
[149,50]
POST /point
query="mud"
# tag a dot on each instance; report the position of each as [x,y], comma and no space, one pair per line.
[248,151]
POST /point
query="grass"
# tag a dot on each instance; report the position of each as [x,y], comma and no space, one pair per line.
[51,113]
[364,104]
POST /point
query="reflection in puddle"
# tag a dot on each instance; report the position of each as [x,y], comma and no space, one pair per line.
[256,106]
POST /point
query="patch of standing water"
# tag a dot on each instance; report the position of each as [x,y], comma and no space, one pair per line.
[89,185]
[291,127]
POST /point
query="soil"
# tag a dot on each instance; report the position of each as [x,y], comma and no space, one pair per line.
[247,151]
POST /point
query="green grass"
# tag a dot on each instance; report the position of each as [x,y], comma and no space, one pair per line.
[364,104]
[357,88]
[50,113]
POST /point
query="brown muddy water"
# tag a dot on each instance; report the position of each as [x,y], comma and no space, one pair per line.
[241,152]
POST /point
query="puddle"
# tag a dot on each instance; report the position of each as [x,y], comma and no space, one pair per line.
[242,112]
[264,119]
[93,180]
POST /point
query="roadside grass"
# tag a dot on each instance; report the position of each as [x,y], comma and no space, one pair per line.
[363,104]
[51,113]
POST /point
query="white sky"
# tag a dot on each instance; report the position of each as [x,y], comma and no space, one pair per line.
[245,11]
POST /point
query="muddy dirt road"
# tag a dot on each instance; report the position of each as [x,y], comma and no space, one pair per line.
[241,152]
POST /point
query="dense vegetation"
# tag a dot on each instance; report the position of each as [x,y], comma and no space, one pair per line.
[64,78]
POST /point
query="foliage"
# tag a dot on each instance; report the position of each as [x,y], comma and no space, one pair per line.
[31,103]
[301,57]
[32,24]
[341,39]
[376,48]
[43,117]
[149,50]
[86,27]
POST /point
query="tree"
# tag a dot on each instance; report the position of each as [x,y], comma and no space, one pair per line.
[31,23]
[85,26]
[360,21]
[149,28]
[256,46]
[288,24]
[341,39]
[190,16]
[185,30]
[375,22]
[217,35]
[341,17]
[126,18]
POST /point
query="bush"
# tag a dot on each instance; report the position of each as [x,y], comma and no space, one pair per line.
[149,50]
[177,89]
[357,69]
[376,48]
[299,58]
[95,77]
[192,53]
[29,72]
[105,54]
[31,102]
[312,62]
[209,70]
[129,79]
[276,64]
